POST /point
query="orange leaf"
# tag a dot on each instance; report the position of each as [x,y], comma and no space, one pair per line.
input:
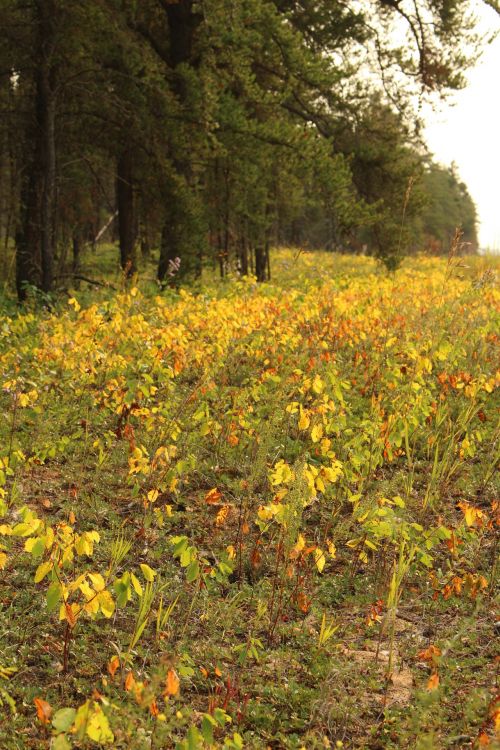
[222,515]
[483,740]
[43,710]
[153,707]
[213,496]
[129,682]
[433,682]
[429,654]
[303,602]
[113,665]
[172,685]
[70,615]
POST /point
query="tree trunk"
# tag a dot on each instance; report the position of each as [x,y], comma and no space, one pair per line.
[127,226]
[181,236]
[77,247]
[28,249]
[260,262]
[35,236]
[48,163]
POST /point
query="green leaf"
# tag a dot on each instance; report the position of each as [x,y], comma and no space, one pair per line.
[60,743]
[180,544]
[63,719]
[192,571]
[186,557]
[207,729]
[53,596]
[193,739]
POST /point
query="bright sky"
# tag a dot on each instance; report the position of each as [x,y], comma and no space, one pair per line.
[468,133]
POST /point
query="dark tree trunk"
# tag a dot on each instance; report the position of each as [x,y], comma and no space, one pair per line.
[77,248]
[35,235]
[28,245]
[145,240]
[179,235]
[260,262]
[127,225]
[243,254]
[263,261]
[47,118]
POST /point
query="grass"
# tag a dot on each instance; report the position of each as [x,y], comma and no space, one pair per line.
[319,450]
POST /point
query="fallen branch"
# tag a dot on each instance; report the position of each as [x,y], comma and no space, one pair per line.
[78,277]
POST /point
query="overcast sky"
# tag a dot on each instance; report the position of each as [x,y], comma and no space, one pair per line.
[468,133]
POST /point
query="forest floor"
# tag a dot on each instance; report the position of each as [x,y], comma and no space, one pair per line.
[254,516]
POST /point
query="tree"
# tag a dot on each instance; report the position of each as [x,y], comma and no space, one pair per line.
[216,127]
[448,206]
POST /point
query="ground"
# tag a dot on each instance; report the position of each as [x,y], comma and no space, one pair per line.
[253,515]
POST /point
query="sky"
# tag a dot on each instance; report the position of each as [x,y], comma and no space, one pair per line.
[466,130]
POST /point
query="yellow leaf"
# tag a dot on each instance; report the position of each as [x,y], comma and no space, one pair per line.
[97,581]
[282,474]
[319,559]
[332,550]
[42,571]
[318,385]
[147,572]
[317,433]
[297,549]
[91,607]
[87,591]
[3,560]
[304,420]
[319,484]
[266,512]
[98,728]
[106,603]
[136,584]
[326,444]
[153,496]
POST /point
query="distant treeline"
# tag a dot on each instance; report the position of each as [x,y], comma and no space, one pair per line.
[210,130]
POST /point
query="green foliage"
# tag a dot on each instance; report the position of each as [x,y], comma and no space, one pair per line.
[215,130]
